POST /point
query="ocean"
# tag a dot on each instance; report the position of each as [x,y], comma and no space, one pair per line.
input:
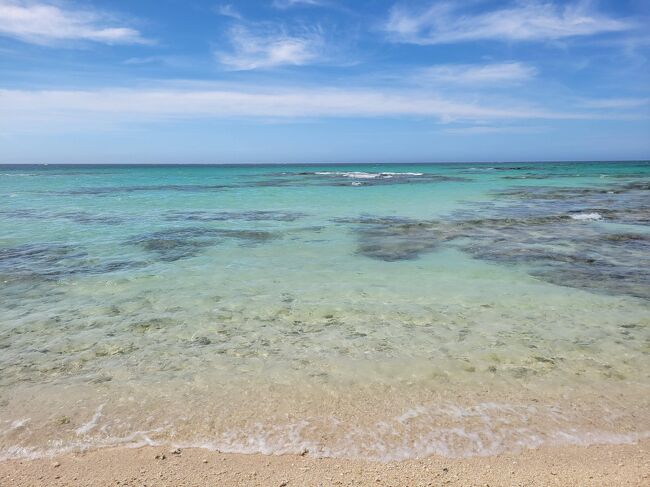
[379,311]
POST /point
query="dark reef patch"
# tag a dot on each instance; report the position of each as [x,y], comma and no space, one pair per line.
[212,216]
[111,190]
[271,180]
[85,218]
[571,254]
[180,243]
[393,239]
[80,217]
[403,242]
[560,193]
[53,262]
[513,168]
[43,259]
[625,203]
[270,183]
[379,179]
[351,178]
[553,233]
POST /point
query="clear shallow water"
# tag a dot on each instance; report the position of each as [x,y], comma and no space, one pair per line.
[375,311]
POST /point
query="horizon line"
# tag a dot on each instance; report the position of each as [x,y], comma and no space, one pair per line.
[236,164]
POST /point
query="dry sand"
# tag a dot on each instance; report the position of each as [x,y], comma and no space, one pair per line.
[605,465]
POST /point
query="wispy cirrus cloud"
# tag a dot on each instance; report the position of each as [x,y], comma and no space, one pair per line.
[477,74]
[163,60]
[54,111]
[282,4]
[616,103]
[492,129]
[227,10]
[451,22]
[270,47]
[53,24]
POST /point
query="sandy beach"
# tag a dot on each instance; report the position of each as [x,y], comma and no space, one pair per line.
[601,465]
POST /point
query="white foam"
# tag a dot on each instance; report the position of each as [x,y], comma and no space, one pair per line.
[137,439]
[403,173]
[446,429]
[87,427]
[18,423]
[587,216]
[381,443]
[410,414]
[367,175]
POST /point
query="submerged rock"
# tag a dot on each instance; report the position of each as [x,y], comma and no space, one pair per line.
[201,340]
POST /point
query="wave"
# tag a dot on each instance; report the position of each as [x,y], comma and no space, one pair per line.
[450,431]
[368,175]
[587,216]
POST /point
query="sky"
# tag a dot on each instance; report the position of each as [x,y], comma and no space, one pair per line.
[273,81]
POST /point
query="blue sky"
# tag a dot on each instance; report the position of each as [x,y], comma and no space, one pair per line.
[171,81]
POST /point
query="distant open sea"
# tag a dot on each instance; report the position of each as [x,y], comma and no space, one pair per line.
[383,312]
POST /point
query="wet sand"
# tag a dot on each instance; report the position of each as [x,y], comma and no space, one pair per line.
[614,465]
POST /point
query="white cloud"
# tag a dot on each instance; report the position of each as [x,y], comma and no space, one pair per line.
[168,60]
[447,22]
[510,72]
[46,24]
[489,130]
[145,60]
[616,103]
[55,111]
[270,48]
[293,3]
[227,10]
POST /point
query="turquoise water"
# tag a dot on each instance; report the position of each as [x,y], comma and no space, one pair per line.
[372,311]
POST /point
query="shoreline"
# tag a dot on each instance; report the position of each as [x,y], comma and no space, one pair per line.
[623,464]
